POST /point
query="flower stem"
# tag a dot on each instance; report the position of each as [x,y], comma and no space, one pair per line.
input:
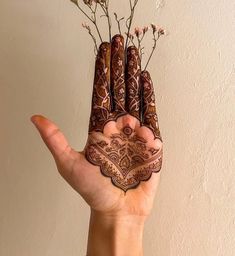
[130,19]
[109,20]
[155,39]
[118,22]
[93,20]
[105,8]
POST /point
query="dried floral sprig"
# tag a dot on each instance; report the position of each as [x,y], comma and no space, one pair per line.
[140,34]
[92,18]
[130,19]
[87,27]
[160,32]
[104,4]
[118,22]
[131,39]
[136,38]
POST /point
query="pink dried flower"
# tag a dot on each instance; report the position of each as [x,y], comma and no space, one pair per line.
[130,35]
[86,26]
[145,29]
[161,31]
[154,28]
[138,31]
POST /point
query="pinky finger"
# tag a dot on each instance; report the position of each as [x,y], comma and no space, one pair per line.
[149,115]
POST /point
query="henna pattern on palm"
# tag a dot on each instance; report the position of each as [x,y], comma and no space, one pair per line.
[121,90]
[125,157]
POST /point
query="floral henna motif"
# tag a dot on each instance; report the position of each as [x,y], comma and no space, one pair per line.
[150,118]
[125,157]
[101,105]
[132,84]
[117,76]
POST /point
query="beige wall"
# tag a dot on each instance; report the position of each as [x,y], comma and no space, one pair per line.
[46,66]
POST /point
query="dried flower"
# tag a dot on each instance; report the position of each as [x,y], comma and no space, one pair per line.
[138,31]
[161,31]
[154,28]
[86,26]
[145,29]
[135,38]
[130,35]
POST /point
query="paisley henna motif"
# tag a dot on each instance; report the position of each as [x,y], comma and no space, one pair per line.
[125,157]
[132,84]
[150,118]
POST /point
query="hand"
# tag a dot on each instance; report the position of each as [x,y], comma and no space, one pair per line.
[124,146]
[124,141]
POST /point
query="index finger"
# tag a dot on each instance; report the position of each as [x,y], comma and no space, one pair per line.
[101,105]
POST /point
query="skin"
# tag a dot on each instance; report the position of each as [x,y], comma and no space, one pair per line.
[117,217]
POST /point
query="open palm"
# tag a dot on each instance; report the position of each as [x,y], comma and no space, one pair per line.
[114,172]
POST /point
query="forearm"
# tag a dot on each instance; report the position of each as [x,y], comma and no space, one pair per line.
[115,236]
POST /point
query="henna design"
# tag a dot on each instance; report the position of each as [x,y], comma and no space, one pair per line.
[101,106]
[132,84]
[125,157]
[149,118]
[117,75]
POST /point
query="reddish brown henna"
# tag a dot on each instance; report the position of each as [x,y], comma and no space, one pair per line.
[150,118]
[117,75]
[132,83]
[125,157]
[128,156]
[101,106]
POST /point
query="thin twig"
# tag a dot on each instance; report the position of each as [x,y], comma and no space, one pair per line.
[155,39]
[87,27]
[95,20]
[105,7]
[109,20]
[130,19]
[92,20]
[141,53]
[118,22]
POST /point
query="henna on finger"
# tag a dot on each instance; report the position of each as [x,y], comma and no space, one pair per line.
[149,115]
[118,76]
[133,70]
[129,155]
[101,105]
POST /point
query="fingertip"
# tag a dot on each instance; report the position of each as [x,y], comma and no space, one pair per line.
[118,38]
[104,45]
[104,49]
[36,118]
[145,73]
[132,50]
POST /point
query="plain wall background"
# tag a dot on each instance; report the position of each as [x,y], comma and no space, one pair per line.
[46,66]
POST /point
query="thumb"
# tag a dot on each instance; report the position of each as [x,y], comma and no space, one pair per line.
[53,138]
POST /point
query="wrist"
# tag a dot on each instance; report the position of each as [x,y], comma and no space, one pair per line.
[115,235]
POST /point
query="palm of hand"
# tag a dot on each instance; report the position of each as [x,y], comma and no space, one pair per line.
[125,152]
[97,190]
